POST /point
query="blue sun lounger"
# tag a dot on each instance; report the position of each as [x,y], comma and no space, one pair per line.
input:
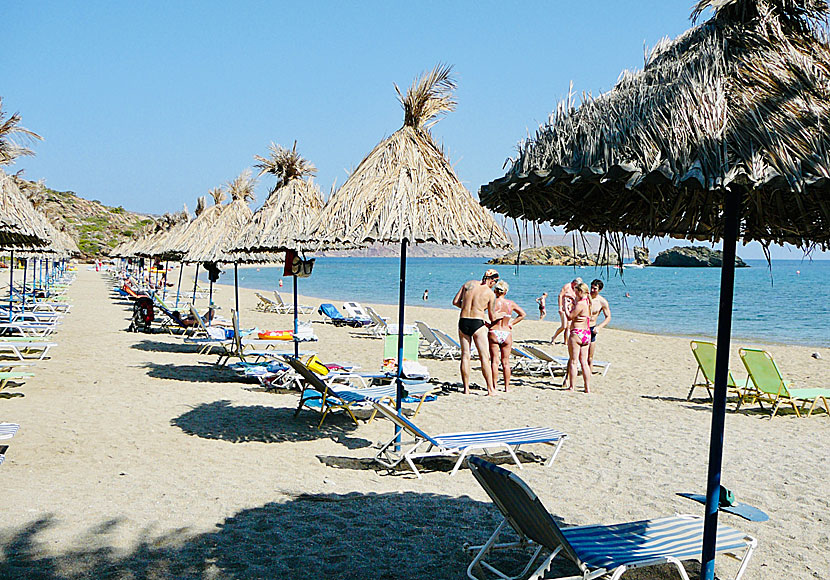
[596,550]
[334,316]
[459,444]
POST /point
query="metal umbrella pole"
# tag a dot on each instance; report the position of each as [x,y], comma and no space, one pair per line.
[164,288]
[401,299]
[236,288]
[25,270]
[179,286]
[731,220]
[195,282]
[11,285]
[296,319]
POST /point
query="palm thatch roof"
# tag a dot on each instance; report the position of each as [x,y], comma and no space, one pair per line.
[163,229]
[405,188]
[740,102]
[290,209]
[208,236]
[21,225]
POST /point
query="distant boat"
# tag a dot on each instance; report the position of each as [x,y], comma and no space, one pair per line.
[638,266]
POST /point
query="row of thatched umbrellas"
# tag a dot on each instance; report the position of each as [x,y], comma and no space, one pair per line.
[23,228]
[405,191]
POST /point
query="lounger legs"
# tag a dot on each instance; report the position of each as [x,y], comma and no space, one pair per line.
[491,545]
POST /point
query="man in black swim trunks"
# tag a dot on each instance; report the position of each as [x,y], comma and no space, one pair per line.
[474,298]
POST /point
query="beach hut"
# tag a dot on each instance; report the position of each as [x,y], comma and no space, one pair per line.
[405,191]
[724,134]
[290,209]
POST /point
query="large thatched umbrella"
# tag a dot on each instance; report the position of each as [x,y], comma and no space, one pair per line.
[291,208]
[406,191]
[725,133]
[208,241]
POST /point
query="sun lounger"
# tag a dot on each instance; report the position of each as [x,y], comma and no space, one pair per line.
[459,445]
[431,345]
[19,348]
[265,304]
[451,345]
[289,308]
[597,550]
[705,353]
[355,310]
[333,315]
[6,376]
[332,393]
[544,361]
[770,386]
[599,366]
[27,329]
[376,325]
[8,430]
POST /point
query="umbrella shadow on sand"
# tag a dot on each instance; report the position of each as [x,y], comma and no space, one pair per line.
[161,346]
[242,424]
[352,535]
[202,373]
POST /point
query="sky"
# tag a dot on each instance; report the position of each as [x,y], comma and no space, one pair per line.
[148,105]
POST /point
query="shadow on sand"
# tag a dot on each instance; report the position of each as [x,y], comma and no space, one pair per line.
[202,373]
[161,346]
[221,420]
[387,536]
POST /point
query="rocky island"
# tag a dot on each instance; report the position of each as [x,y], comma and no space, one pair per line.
[693,257]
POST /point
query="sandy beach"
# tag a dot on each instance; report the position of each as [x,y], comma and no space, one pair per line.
[137,458]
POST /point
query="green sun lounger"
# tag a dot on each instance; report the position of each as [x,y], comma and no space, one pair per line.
[705,354]
[770,386]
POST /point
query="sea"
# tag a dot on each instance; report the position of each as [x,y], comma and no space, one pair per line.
[785,301]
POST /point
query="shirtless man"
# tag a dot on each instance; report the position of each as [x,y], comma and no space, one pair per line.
[474,298]
[566,301]
[598,304]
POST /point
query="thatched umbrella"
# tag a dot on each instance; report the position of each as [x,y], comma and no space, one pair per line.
[406,191]
[725,133]
[213,232]
[288,212]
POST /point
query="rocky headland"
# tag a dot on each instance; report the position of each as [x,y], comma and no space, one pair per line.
[556,256]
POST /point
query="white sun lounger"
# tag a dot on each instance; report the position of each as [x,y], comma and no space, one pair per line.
[24,347]
[460,445]
[597,550]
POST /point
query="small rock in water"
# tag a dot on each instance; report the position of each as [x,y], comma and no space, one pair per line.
[816,355]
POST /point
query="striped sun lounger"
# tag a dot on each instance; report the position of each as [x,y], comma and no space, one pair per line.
[459,445]
[597,550]
[8,430]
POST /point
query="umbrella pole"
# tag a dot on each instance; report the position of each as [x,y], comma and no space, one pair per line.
[236,289]
[164,288]
[296,320]
[727,286]
[179,287]
[401,299]
[11,285]
[195,282]
[25,270]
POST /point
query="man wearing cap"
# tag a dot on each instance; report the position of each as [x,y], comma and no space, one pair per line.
[474,298]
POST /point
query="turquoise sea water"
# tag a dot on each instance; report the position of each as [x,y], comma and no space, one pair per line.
[789,303]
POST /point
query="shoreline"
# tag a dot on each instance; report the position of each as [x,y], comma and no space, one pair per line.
[749,340]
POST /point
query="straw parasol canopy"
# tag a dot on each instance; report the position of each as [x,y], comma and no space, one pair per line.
[405,188]
[21,225]
[740,102]
[290,209]
[163,229]
[190,236]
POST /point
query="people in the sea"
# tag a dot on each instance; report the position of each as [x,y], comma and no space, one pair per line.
[579,339]
[501,331]
[565,302]
[542,302]
[425,297]
[475,299]
[598,305]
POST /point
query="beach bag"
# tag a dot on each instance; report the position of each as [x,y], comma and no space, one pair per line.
[296,266]
[313,363]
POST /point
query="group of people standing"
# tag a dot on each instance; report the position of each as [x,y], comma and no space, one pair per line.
[487,319]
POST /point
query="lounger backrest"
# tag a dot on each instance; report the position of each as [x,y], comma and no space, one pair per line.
[706,355]
[426,332]
[331,311]
[279,299]
[519,352]
[401,421]
[446,338]
[520,506]
[199,320]
[375,317]
[763,371]
[538,353]
[307,374]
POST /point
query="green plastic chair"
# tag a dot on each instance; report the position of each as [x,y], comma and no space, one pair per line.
[705,354]
[771,387]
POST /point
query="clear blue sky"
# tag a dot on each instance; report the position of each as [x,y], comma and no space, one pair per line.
[150,104]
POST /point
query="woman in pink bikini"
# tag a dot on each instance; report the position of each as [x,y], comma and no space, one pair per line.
[501,331]
[580,336]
